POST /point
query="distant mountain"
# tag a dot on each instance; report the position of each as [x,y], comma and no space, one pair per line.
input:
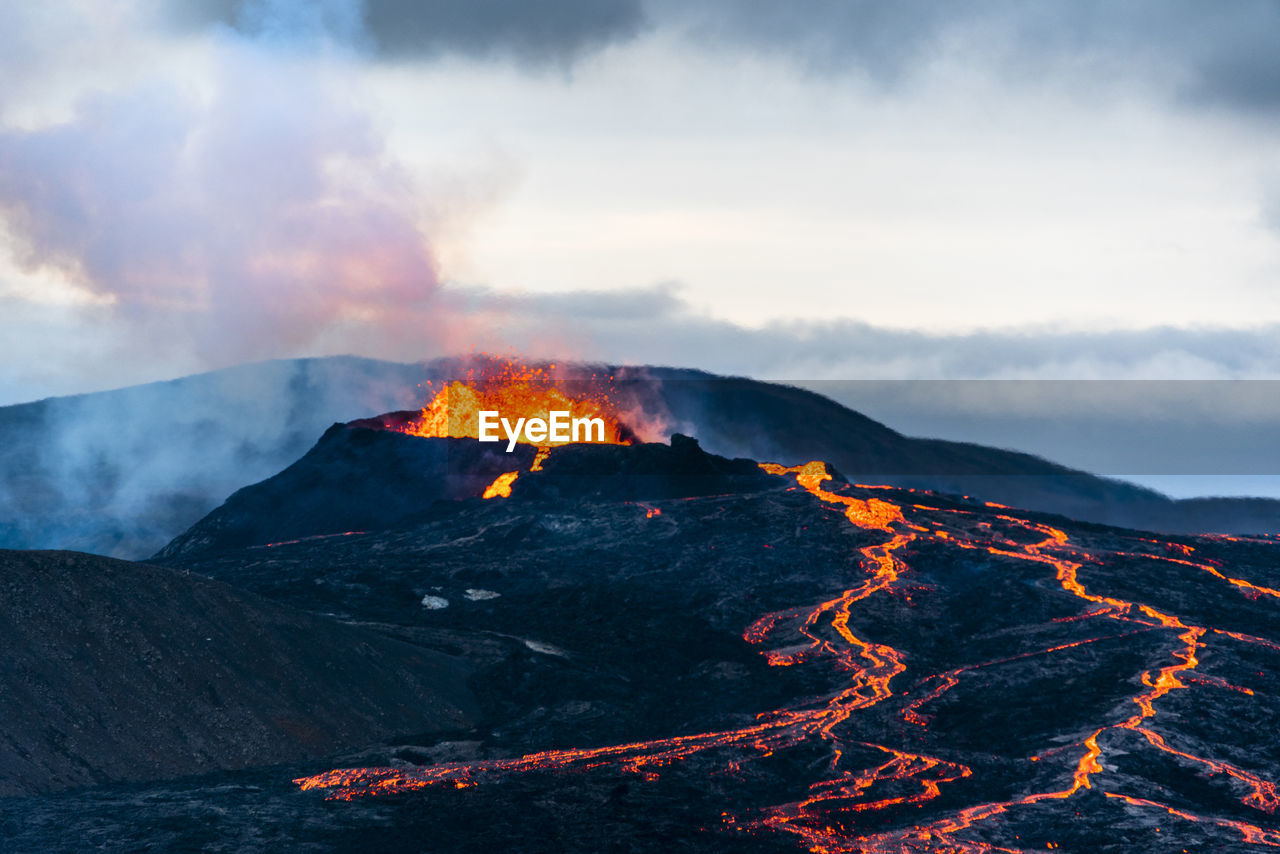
[125,471]
[743,417]
[117,671]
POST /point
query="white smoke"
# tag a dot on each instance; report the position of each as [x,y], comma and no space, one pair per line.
[237,205]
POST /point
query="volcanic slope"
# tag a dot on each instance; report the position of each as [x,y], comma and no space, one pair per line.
[118,671]
[783,661]
[354,479]
[123,472]
[359,478]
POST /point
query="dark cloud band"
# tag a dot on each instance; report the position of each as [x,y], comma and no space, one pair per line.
[551,32]
[1201,53]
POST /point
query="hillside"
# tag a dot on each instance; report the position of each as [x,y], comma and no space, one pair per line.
[116,671]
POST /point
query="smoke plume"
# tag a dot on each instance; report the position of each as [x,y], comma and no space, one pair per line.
[242,212]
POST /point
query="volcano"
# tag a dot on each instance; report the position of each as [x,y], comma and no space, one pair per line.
[123,472]
[670,649]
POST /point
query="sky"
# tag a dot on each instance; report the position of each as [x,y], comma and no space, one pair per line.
[829,190]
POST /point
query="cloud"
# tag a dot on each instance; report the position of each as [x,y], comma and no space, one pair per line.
[656,326]
[551,32]
[886,40]
[251,207]
[1216,54]
[1202,53]
[245,212]
[44,47]
[629,305]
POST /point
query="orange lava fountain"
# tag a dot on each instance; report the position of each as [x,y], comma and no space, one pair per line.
[825,818]
[517,391]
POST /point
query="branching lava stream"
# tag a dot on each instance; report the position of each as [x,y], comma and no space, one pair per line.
[826,816]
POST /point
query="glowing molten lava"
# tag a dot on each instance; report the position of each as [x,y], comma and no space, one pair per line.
[856,777]
[501,486]
[517,391]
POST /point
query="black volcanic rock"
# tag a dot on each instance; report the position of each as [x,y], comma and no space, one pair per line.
[354,479]
[122,671]
[640,472]
[360,478]
[1001,648]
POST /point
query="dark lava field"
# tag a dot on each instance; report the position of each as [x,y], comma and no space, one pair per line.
[646,648]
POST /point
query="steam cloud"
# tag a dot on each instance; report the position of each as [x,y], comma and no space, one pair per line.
[246,214]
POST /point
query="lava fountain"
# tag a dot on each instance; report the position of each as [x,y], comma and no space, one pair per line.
[519,391]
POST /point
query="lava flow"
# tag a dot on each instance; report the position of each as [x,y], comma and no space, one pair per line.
[826,816]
